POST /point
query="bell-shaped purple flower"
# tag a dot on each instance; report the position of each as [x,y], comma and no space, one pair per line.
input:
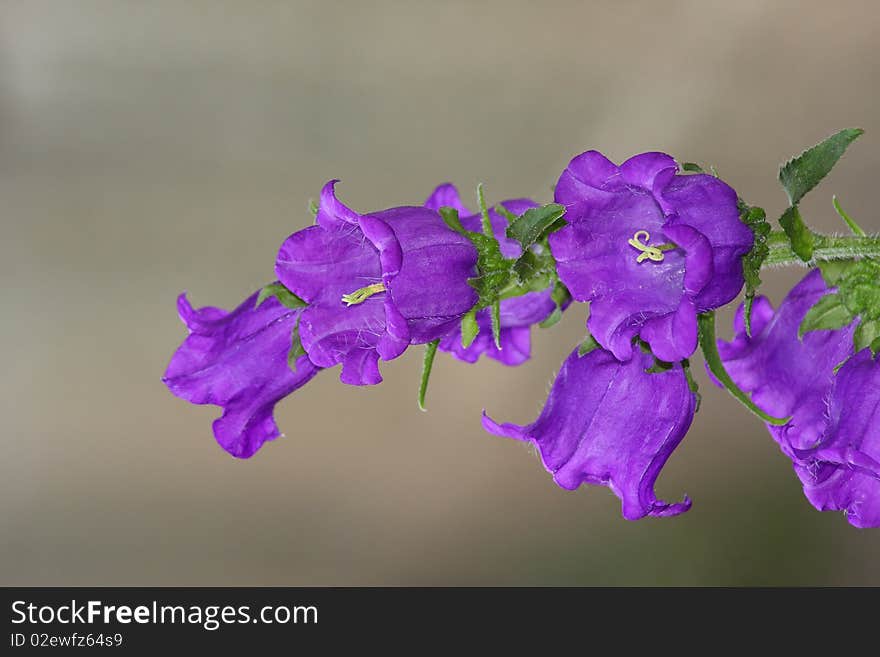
[833,437]
[611,423]
[518,314]
[648,248]
[238,360]
[375,283]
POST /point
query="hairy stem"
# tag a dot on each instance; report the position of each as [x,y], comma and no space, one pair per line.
[825,247]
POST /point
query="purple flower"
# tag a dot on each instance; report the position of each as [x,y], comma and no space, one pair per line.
[833,438]
[238,360]
[610,423]
[648,248]
[518,313]
[375,283]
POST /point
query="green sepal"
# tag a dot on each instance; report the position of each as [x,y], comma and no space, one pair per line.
[495,316]
[469,328]
[756,219]
[802,173]
[875,347]
[691,167]
[659,366]
[853,226]
[427,364]
[560,296]
[494,270]
[296,347]
[833,270]
[827,313]
[692,384]
[287,298]
[801,238]
[859,288]
[589,344]
[709,346]
[313,207]
[533,224]
[867,334]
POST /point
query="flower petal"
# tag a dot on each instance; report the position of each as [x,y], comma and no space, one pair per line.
[610,423]
[238,360]
[446,196]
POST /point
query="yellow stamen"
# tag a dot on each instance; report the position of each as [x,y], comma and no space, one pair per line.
[361,295]
[647,252]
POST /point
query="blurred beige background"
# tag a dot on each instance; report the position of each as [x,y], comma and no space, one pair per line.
[147,148]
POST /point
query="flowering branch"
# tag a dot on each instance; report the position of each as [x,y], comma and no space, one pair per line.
[654,248]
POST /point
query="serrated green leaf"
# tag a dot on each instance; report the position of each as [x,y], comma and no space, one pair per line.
[827,313]
[866,333]
[833,270]
[799,235]
[531,225]
[588,345]
[287,298]
[527,266]
[469,328]
[427,365]
[802,173]
[691,167]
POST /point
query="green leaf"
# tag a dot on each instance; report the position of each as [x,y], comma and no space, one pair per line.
[853,226]
[469,328]
[427,364]
[756,219]
[828,313]
[691,167]
[287,298]
[866,334]
[531,225]
[588,345]
[833,270]
[709,345]
[800,174]
[495,315]
[799,235]
[527,267]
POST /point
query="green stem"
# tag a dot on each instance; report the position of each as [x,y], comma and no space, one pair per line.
[713,359]
[428,363]
[825,247]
